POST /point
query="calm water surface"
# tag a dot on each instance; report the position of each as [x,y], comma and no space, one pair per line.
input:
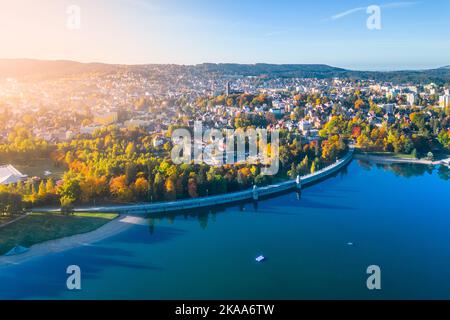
[397,217]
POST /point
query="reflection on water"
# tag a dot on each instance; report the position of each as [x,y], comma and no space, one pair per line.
[444,173]
[407,170]
[204,215]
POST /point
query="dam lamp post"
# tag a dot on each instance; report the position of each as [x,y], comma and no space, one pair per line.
[298,181]
[255,193]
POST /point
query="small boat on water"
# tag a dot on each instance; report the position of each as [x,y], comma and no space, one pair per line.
[16,251]
[260,259]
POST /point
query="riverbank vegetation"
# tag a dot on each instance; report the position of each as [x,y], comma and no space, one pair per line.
[417,134]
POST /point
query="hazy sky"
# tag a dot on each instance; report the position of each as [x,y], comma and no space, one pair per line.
[414,34]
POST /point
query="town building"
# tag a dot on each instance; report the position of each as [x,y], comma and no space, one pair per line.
[388,108]
[305,126]
[106,118]
[444,101]
[411,99]
[9,174]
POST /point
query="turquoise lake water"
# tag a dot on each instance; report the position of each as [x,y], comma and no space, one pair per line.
[397,217]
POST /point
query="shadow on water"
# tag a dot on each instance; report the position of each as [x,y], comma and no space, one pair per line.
[46,275]
[48,279]
[139,235]
[294,206]
[307,203]
[203,215]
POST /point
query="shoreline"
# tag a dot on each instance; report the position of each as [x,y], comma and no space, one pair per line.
[388,159]
[125,221]
[116,226]
[223,199]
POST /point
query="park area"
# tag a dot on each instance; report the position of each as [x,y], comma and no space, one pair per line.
[40,227]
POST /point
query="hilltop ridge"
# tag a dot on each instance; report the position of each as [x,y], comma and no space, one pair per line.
[45,69]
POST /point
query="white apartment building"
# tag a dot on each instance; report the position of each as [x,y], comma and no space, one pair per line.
[444,101]
[388,108]
[410,98]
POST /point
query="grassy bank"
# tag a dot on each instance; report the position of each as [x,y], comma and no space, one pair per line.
[437,155]
[5,219]
[392,155]
[39,227]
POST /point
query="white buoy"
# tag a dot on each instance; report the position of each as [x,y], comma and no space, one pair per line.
[260,259]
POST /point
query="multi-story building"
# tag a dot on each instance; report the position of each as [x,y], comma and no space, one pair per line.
[411,98]
[444,101]
[388,108]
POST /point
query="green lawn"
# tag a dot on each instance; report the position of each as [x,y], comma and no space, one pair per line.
[392,155]
[386,154]
[5,219]
[41,227]
[37,168]
[438,155]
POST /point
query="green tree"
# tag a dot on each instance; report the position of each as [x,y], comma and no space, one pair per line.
[70,190]
[10,203]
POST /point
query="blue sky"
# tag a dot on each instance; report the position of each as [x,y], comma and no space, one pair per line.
[414,34]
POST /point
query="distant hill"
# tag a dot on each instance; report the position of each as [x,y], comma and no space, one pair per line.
[39,69]
[439,76]
[28,68]
[281,70]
